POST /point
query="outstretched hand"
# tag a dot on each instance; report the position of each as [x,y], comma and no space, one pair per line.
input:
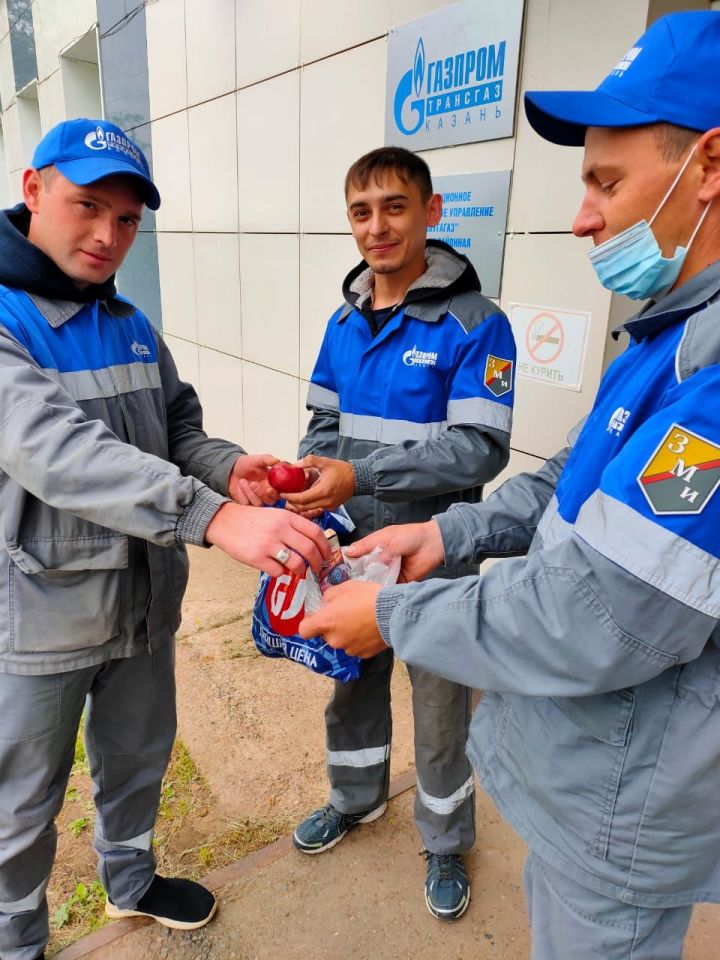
[335,484]
[271,540]
[248,483]
[347,620]
[419,544]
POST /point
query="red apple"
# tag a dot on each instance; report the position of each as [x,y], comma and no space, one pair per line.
[286,478]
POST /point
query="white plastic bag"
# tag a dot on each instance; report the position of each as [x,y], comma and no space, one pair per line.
[380,567]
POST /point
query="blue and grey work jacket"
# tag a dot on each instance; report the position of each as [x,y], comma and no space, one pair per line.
[105,474]
[423,408]
[599,736]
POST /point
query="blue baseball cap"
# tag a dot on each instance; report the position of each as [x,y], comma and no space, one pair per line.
[87,150]
[666,76]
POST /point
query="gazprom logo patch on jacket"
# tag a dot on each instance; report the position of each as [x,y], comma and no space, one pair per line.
[140,349]
[682,474]
[617,421]
[419,358]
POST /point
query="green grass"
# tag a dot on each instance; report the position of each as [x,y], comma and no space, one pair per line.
[83,909]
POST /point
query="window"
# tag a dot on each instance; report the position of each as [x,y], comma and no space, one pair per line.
[81,78]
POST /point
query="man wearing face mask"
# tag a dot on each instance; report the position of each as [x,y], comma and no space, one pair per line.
[599,734]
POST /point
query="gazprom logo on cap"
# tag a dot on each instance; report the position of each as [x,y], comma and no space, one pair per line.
[626,62]
[96,139]
[100,139]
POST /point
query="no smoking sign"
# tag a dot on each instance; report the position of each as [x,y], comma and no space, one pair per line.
[550,344]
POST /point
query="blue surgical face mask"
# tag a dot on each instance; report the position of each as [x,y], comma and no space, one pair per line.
[632,263]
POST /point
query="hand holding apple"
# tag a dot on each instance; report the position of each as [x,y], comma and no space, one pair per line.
[334,485]
[287,478]
[248,480]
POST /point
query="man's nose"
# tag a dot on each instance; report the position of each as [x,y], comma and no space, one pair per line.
[588,219]
[378,223]
[105,231]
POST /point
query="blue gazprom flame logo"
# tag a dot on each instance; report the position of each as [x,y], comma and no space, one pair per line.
[419,68]
[412,79]
[453,82]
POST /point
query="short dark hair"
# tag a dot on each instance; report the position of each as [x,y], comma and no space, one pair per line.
[673,142]
[408,166]
[48,175]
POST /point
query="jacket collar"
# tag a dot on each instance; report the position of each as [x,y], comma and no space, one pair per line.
[58,312]
[677,305]
[447,273]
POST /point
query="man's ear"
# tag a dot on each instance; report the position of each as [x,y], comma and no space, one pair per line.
[434,210]
[708,154]
[33,186]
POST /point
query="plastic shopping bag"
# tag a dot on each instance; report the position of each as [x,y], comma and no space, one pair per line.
[279,608]
[282,602]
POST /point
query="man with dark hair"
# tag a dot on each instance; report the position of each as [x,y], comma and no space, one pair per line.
[407,166]
[411,401]
[598,735]
[105,475]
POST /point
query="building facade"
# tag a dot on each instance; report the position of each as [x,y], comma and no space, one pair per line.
[251,111]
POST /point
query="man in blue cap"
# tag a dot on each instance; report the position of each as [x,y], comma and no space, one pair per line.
[599,734]
[105,475]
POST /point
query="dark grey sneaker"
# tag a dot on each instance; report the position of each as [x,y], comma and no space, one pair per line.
[178,904]
[327,826]
[447,888]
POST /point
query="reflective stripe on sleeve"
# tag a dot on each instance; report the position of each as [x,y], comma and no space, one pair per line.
[108,382]
[485,413]
[552,528]
[361,427]
[318,396]
[651,552]
[478,410]
[444,806]
[369,757]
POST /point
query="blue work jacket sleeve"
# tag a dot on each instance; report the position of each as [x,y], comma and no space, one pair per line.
[52,450]
[505,524]
[474,444]
[632,589]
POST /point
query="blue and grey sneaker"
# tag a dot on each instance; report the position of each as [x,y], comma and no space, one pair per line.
[327,826]
[447,888]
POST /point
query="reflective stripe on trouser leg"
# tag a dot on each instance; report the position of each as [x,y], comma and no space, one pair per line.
[40,717]
[359,731]
[569,920]
[129,732]
[445,794]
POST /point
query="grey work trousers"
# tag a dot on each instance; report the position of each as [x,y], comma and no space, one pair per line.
[358,721]
[129,732]
[568,920]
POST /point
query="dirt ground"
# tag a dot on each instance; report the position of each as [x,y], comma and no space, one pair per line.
[250,761]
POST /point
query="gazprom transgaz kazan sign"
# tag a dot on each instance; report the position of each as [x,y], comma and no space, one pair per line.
[451,75]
